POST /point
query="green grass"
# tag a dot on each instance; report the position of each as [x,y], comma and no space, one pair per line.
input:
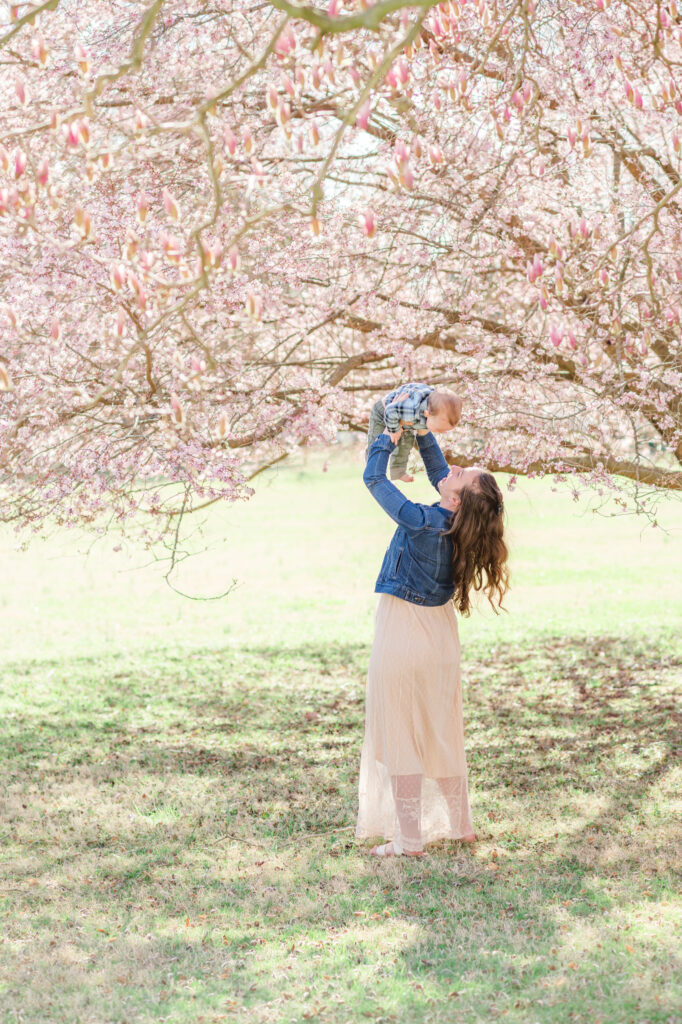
[178,779]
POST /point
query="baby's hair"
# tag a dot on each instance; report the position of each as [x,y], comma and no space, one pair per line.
[448,402]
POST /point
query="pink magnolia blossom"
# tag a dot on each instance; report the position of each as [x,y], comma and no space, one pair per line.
[368,222]
[553,218]
[170,206]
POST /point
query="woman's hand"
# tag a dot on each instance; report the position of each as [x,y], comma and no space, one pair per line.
[394,437]
[421,433]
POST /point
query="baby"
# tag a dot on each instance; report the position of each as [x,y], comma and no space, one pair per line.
[412,407]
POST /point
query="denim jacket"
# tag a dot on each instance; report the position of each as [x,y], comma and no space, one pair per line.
[417,565]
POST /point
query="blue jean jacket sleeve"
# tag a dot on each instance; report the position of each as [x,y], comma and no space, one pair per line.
[405,513]
[434,460]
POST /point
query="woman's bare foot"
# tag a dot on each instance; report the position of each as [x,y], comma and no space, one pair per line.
[407,478]
[471,838]
[387,850]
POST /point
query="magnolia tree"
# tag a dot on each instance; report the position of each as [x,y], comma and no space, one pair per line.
[227,227]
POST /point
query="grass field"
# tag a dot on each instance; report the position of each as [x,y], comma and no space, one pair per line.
[178,778]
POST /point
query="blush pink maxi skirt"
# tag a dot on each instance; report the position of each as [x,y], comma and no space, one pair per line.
[413,785]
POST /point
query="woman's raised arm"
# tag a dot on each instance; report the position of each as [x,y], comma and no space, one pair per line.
[434,460]
[402,511]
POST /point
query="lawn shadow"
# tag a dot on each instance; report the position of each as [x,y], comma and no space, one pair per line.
[207,845]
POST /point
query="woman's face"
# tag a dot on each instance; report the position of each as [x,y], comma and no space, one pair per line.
[456,480]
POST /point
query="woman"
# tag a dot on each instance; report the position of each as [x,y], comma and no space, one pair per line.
[413,772]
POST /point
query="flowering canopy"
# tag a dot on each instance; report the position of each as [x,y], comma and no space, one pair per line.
[226,228]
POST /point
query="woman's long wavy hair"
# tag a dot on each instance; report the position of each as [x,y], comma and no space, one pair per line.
[479,556]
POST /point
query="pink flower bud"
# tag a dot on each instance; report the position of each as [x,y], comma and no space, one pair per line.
[584,228]
[436,99]
[334,8]
[230,141]
[247,140]
[392,78]
[120,321]
[368,223]
[400,152]
[73,134]
[233,259]
[572,342]
[572,137]
[435,155]
[416,147]
[177,411]
[5,379]
[273,100]
[286,42]
[20,160]
[82,57]
[21,92]
[556,336]
[82,221]
[43,172]
[39,50]
[288,85]
[223,424]
[403,70]
[283,114]
[170,206]
[258,172]
[118,276]
[55,330]
[315,226]
[362,119]
[172,247]
[140,120]
[198,366]
[253,306]
[643,347]
[314,132]
[406,177]
[141,207]
[582,359]
[603,276]
[527,92]
[507,114]
[637,99]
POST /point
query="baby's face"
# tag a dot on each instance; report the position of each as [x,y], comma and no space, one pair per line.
[439,423]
